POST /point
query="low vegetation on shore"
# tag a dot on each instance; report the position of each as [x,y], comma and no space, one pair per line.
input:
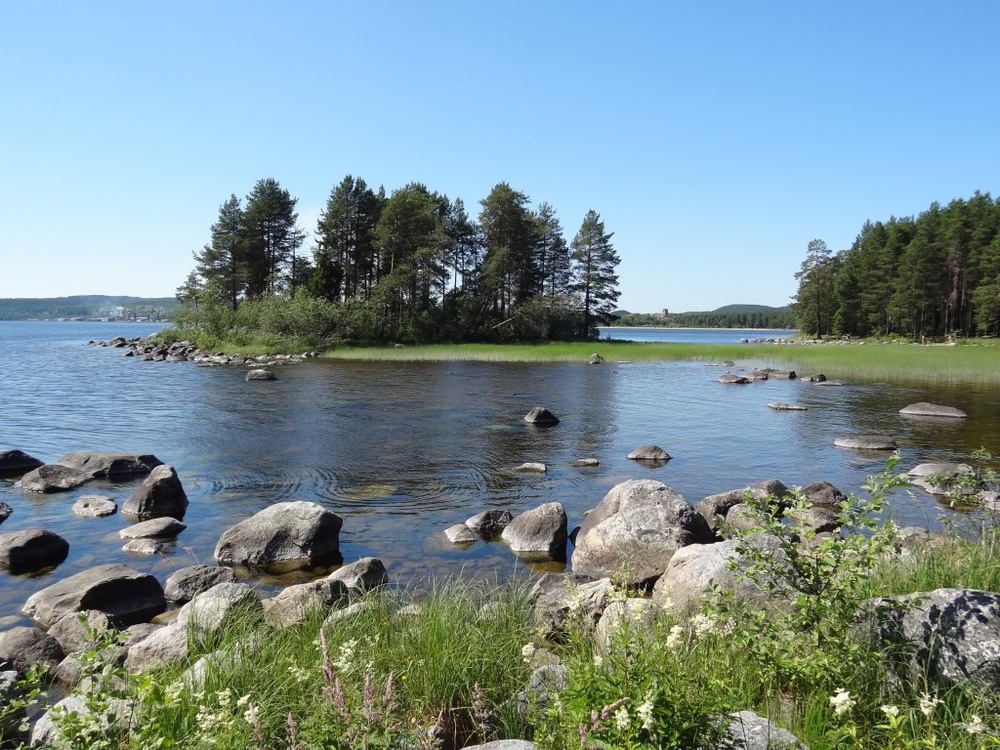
[461,662]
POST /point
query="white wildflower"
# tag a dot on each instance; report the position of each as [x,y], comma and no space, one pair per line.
[345,655]
[528,652]
[842,702]
[928,703]
[645,714]
[892,711]
[975,725]
[674,638]
[621,719]
[299,674]
[703,625]
[598,661]
[250,715]
[243,701]
[224,697]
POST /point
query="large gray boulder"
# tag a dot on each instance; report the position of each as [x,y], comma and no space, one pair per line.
[944,637]
[31,549]
[296,604]
[183,585]
[127,595]
[748,731]
[489,524]
[168,645]
[541,416]
[94,506]
[53,478]
[361,576]
[23,647]
[635,530]
[866,442]
[539,534]
[5,511]
[561,598]
[110,464]
[286,535]
[925,409]
[160,494]
[14,462]
[163,527]
[220,606]
[714,508]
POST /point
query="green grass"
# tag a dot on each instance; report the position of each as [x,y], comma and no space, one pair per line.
[970,363]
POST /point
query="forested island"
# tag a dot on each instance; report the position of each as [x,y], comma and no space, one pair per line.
[931,276]
[89,307]
[730,316]
[411,266]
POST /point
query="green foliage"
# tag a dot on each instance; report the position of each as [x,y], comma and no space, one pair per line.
[89,306]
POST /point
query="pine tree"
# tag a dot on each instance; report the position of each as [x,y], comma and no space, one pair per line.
[595,277]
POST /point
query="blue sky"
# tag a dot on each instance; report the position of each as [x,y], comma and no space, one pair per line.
[715,139]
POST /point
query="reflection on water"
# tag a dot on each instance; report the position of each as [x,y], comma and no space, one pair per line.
[402,451]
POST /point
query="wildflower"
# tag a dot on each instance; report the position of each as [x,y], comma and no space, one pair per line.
[345,654]
[621,719]
[892,711]
[673,639]
[528,652]
[975,725]
[244,700]
[703,625]
[250,715]
[299,674]
[842,702]
[645,713]
[598,661]
[928,703]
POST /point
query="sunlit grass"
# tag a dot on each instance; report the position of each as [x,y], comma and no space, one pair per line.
[970,363]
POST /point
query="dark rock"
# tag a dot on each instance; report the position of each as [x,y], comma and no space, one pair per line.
[14,462]
[53,478]
[183,585]
[730,379]
[5,511]
[824,494]
[125,594]
[538,534]
[109,464]
[366,574]
[648,453]
[261,375]
[22,647]
[31,549]
[283,536]
[541,416]
[160,494]
[559,598]
[490,523]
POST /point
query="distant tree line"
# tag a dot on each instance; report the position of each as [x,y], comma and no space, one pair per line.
[934,275]
[88,306]
[408,266]
[753,317]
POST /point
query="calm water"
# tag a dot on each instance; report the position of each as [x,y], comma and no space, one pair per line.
[402,451]
[693,335]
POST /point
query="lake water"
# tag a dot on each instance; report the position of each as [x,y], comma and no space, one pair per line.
[402,451]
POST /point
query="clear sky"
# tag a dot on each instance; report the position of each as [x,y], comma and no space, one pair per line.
[716,139]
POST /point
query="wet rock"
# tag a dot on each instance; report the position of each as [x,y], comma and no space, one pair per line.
[125,594]
[460,534]
[531,467]
[94,506]
[925,409]
[818,378]
[489,524]
[261,375]
[360,576]
[648,453]
[538,534]
[23,647]
[155,528]
[595,359]
[31,549]
[144,547]
[110,464]
[183,585]
[823,494]
[782,406]
[5,511]
[586,462]
[730,379]
[53,478]
[160,494]
[866,442]
[286,535]
[15,462]
[634,531]
[541,416]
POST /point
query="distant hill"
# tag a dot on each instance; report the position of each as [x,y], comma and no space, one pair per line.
[751,309]
[728,316]
[89,307]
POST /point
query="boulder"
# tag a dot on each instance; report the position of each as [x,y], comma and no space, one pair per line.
[821,520]
[582,462]
[541,416]
[818,378]
[14,462]
[143,547]
[160,494]
[942,638]
[168,645]
[636,616]
[286,535]
[695,568]
[31,549]
[823,494]
[746,730]
[363,575]
[53,478]
[460,534]
[558,598]
[504,745]
[220,606]
[5,511]
[94,506]
[261,375]
[109,464]
[163,527]
[23,647]
[183,585]
[648,453]
[538,534]
[595,359]
[544,686]
[71,630]
[634,531]
[924,409]
[730,379]
[296,604]
[771,372]
[940,478]
[715,508]
[125,594]
[489,524]
[866,442]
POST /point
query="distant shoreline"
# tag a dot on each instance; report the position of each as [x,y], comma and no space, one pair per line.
[684,328]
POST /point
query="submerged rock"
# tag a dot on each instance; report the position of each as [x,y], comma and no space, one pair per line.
[541,416]
[53,478]
[866,442]
[925,409]
[14,462]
